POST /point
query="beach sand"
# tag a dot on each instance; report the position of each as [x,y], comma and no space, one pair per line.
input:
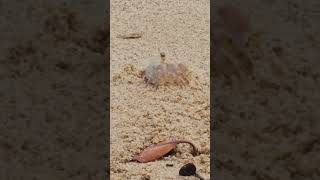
[142,115]
[266,124]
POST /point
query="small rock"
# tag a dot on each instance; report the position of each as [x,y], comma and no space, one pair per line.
[169,165]
[188,170]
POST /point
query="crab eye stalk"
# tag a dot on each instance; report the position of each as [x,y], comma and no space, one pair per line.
[163,56]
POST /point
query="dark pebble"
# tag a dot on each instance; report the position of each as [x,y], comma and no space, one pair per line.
[188,170]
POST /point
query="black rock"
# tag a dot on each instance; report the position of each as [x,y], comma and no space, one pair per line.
[188,170]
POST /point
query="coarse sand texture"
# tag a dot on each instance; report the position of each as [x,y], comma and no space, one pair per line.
[142,115]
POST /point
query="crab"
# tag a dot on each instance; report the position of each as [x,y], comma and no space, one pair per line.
[162,73]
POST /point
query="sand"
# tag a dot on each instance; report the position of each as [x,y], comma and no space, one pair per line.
[142,115]
[267,127]
[53,89]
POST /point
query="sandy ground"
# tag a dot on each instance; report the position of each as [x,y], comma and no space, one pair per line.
[270,123]
[141,115]
[52,76]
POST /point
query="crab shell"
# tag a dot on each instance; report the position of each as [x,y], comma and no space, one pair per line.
[166,73]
